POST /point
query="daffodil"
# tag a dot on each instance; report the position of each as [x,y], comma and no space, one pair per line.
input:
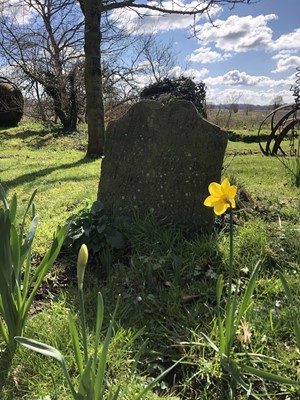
[81,264]
[221,196]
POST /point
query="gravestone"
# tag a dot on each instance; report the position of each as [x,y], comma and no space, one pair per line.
[159,159]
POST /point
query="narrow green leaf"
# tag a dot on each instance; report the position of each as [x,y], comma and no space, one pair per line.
[13,208]
[26,277]
[15,251]
[6,261]
[10,313]
[48,351]
[18,299]
[219,289]
[229,324]
[25,215]
[220,285]
[51,254]
[26,246]
[155,381]
[269,376]
[75,342]
[85,380]
[45,265]
[233,369]
[99,322]
[247,298]
[99,387]
[3,197]
[4,332]
[137,357]
[212,345]
[286,288]
[292,304]
[114,396]
[41,348]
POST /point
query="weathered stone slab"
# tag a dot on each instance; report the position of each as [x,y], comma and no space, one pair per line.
[160,160]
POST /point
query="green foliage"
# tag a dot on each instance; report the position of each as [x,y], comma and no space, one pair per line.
[95,229]
[91,365]
[18,281]
[170,89]
[187,265]
[92,369]
[234,363]
[292,167]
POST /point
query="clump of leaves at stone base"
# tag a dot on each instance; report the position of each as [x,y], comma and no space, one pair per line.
[97,230]
[169,89]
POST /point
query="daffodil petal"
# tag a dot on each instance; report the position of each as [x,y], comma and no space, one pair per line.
[214,189]
[225,185]
[232,203]
[220,208]
[232,191]
[210,201]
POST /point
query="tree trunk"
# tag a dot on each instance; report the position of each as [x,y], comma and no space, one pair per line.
[93,78]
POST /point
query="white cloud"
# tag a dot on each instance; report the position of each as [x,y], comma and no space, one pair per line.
[247,96]
[284,53]
[288,41]
[18,11]
[238,34]
[143,79]
[240,78]
[206,55]
[285,63]
[196,74]
[153,21]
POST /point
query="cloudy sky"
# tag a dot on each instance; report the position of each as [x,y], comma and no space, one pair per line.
[250,55]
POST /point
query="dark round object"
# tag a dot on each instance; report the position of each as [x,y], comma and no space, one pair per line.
[11,103]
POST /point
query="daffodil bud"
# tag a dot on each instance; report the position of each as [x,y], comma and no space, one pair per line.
[81,264]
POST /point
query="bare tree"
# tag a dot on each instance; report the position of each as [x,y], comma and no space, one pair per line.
[232,107]
[124,78]
[48,49]
[93,10]
[158,59]
[277,102]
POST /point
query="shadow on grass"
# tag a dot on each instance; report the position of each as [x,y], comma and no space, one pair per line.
[32,176]
[35,138]
[10,133]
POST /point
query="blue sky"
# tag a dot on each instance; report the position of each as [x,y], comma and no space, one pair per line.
[250,56]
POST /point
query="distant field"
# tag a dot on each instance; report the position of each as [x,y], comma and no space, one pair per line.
[243,119]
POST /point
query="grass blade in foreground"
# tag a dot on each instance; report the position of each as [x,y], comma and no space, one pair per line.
[92,380]
[48,351]
[16,292]
[292,304]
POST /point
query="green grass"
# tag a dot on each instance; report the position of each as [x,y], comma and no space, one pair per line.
[166,276]
[33,157]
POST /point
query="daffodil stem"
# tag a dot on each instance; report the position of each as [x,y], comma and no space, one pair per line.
[231,303]
[83,324]
[231,247]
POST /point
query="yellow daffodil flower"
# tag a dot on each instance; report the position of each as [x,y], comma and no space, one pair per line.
[221,196]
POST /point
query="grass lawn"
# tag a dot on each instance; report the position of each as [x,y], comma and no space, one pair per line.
[166,277]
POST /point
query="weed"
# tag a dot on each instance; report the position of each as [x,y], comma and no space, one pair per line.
[292,168]
[95,229]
